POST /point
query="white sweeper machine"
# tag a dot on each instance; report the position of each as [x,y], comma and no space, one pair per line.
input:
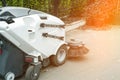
[29,40]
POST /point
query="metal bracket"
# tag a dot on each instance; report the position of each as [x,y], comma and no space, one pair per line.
[43,17]
[51,25]
[53,36]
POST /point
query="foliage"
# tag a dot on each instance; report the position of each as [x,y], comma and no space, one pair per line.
[77,7]
[58,8]
[100,12]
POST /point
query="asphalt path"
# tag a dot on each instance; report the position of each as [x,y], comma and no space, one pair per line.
[101,63]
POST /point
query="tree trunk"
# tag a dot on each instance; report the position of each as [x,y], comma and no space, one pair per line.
[56,4]
[3,3]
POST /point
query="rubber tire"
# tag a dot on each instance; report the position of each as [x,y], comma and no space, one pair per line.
[30,73]
[10,76]
[55,61]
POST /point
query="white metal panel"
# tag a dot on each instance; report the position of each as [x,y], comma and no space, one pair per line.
[28,32]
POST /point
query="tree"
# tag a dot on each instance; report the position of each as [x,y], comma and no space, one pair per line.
[77,7]
[100,12]
[3,2]
[56,4]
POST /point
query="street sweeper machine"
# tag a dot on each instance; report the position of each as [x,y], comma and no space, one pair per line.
[29,39]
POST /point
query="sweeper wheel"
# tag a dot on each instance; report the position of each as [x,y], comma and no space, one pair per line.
[60,56]
[10,76]
[32,73]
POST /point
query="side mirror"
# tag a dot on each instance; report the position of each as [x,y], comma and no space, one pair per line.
[9,20]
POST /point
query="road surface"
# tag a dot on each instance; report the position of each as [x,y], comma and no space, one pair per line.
[101,63]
